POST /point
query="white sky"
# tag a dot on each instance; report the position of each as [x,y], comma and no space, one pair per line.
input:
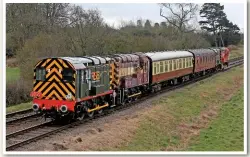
[114,13]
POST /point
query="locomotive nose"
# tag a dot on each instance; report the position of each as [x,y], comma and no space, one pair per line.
[35,107]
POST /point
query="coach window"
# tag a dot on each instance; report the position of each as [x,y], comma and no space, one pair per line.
[166,66]
[180,63]
[183,63]
[190,62]
[67,75]
[161,67]
[120,71]
[130,69]
[157,68]
[174,63]
[40,74]
[154,71]
[170,65]
[126,69]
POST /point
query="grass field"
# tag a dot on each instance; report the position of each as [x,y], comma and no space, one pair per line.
[225,133]
[18,107]
[193,117]
[12,74]
[239,51]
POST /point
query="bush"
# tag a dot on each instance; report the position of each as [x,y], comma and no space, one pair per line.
[18,92]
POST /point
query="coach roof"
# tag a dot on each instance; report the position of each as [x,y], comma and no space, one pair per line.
[164,55]
[201,52]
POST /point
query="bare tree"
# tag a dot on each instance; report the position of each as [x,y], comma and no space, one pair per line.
[179,14]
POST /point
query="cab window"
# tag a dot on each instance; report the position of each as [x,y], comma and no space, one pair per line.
[67,75]
[40,74]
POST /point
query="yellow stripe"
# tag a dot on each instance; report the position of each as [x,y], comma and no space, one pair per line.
[54,70]
[58,96]
[64,64]
[54,85]
[52,63]
[51,72]
[46,62]
[48,89]
[54,77]
[58,65]
[45,85]
[60,90]
[38,85]
[54,93]
[70,87]
[62,85]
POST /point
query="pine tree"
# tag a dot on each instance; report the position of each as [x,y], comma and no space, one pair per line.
[214,14]
[217,23]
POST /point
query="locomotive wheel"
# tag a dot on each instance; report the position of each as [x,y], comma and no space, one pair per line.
[81,116]
[89,106]
[90,114]
[99,111]
[123,103]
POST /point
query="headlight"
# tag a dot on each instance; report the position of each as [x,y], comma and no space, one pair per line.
[35,107]
[64,108]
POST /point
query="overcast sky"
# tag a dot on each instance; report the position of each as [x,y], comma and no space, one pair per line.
[114,13]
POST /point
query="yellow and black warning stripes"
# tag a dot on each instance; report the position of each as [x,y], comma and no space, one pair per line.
[111,75]
[116,78]
[54,87]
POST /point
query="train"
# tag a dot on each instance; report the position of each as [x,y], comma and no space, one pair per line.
[76,87]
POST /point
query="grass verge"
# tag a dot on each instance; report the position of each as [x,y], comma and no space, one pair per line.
[18,107]
[237,52]
[226,132]
[173,122]
[12,74]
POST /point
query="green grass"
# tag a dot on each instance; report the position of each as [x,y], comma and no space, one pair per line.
[159,128]
[239,51]
[12,74]
[18,107]
[226,132]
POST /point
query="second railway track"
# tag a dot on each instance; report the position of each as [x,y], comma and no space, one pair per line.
[25,136]
[20,116]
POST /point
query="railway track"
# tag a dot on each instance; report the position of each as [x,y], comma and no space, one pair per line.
[20,116]
[25,136]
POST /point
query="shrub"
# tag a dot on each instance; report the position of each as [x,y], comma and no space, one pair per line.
[18,92]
